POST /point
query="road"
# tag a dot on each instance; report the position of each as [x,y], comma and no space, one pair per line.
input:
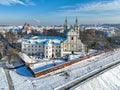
[11,86]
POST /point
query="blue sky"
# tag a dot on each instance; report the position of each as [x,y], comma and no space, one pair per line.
[53,12]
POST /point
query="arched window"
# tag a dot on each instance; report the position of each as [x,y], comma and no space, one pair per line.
[71,38]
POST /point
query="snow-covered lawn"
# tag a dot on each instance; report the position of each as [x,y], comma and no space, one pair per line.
[3,80]
[21,82]
[65,75]
[109,80]
[45,65]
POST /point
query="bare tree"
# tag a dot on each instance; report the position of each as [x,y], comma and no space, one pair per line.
[11,52]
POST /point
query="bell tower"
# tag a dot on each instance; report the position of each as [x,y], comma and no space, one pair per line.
[77,27]
[76,24]
[66,24]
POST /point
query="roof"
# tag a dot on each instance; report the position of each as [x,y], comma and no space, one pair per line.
[25,58]
[48,37]
[15,30]
[44,40]
[66,31]
[71,32]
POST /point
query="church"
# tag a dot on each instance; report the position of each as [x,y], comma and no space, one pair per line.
[55,46]
[72,43]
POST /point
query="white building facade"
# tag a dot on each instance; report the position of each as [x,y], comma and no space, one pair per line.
[49,47]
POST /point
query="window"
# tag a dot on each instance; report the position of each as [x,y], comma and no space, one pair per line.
[32,45]
[39,46]
[71,38]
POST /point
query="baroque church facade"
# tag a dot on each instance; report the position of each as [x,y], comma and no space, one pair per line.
[72,42]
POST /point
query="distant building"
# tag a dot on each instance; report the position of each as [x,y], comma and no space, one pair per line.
[26,28]
[53,46]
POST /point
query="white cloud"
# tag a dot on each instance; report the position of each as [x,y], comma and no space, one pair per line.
[102,12]
[29,2]
[12,2]
[67,7]
[99,7]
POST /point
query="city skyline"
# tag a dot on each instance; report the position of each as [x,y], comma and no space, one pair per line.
[54,12]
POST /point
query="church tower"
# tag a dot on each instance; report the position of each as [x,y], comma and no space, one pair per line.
[76,24]
[77,27]
[66,24]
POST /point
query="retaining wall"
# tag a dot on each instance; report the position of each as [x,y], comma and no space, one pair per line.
[37,74]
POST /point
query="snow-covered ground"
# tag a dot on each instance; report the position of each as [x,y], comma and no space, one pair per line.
[62,76]
[38,64]
[109,80]
[45,65]
[3,80]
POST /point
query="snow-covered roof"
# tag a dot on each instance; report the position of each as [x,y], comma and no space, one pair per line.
[43,40]
[71,32]
[25,58]
[15,30]
[30,41]
[48,37]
